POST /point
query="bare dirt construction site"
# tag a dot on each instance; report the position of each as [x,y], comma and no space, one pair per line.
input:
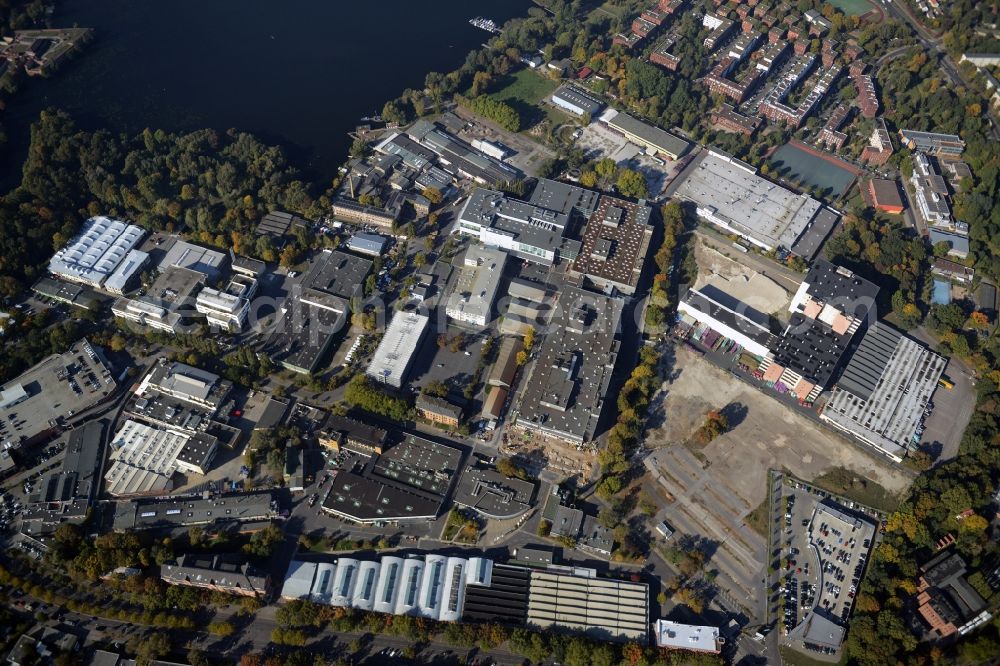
[739,281]
[714,487]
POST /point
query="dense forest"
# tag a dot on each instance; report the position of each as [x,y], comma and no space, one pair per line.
[216,186]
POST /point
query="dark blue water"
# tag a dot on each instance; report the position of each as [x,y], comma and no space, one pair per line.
[300,73]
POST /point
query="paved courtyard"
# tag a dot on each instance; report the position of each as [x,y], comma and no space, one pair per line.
[597,141]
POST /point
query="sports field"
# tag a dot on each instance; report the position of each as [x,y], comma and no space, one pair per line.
[811,168]
[853,7]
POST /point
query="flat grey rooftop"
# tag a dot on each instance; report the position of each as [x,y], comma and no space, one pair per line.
[484,489]
[564,197]
[566,390]
[885,388]
[338,273]
[753,205]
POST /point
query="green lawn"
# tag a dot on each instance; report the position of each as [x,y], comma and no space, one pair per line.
[849,484]
[853,7]
[524,90]
[525,85]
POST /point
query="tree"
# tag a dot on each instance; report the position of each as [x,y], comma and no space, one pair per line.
[117,342]
[501,113]
[979,320]
[511,469]
[363,394]
[433,195]
[609,487]
[152,647]
[263,542]
[606,168]
[222,629]
[715,424]
[435,388]
[632,184]
[393,113]
[196,657]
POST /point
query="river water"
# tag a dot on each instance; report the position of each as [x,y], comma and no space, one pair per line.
[300,73]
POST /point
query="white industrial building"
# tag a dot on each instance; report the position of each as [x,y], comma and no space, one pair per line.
[300,579]
[144,459]
[96,252]
[370,244]
[882,395]
[194,257]
[579,103]
[489,148]
[431,586]
[930,192]
[476,289]
[124,276]
[743,325]
[395,353]
[526,230]
[227,308]
[677,636]
[729,194]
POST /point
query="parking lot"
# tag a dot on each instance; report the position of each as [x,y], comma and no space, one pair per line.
[823,548]
[951,410]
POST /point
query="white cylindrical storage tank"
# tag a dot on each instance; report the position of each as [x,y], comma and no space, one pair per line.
[407,601]
[344,581]
[389,583]
[453,595]
[364,589]
[431,588]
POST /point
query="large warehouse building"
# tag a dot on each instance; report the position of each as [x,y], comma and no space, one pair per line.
[653,139]
[729,194]
[576,101]
[409,481]
[430,585]
[476,589]
[830,306]
[528,231]
[734,320]
[398,347]
[885,388]
[144,459]
[471,301]
[615,243]
[598,607]
[96,252]
[565,393]
[317,310]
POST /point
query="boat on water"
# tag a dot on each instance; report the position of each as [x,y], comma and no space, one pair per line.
[489,25]
[372,119]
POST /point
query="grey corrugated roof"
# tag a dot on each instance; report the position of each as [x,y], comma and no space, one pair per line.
[869,361]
